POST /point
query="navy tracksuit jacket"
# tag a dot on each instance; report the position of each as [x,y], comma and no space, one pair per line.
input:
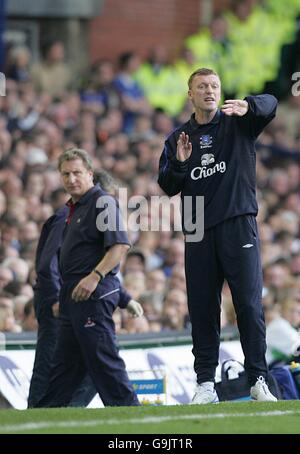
[46,293]
[221,168]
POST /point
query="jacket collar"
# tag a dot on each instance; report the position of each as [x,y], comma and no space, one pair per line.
[85,198]
[215,120]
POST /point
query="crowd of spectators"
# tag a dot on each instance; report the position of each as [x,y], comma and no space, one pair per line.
[46,110]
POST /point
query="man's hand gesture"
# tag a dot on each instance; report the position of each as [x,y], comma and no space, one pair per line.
[184,147]
[85,287]
[237,107]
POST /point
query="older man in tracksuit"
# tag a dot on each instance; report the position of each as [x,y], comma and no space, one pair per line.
[89,260]
[46,297]
[213,155]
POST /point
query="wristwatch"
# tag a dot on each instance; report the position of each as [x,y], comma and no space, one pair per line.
[102,276]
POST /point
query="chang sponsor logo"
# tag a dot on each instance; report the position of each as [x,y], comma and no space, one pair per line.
[202,172]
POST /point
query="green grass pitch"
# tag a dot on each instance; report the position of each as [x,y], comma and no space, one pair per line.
[225,418]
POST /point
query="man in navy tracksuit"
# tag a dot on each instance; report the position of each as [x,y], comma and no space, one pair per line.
[213,155]
[89,260]
[46,294]
[46,297]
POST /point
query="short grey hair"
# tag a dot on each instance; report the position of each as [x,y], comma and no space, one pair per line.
[76,153]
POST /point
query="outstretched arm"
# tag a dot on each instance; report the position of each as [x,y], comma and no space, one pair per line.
[256,112]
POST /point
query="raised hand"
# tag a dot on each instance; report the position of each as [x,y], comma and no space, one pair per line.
[184,147]
[237,107]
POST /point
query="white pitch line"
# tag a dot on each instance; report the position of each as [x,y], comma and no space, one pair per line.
[146,420]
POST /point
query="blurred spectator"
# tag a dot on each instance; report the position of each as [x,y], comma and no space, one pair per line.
[135,261]
[137,325]
[53,75]
[117,318]
[29,322]
[175,313]
[2,203]
[6,276]
[18,65]
[177,278]
[134,283]
[210,45]
[19,268]
[148,242]
[156,78]
[58,198]
[295,264]
[131,94]
[291,312]
[174,256]
[152,304]
[20,302]
[6,299]
[7,319]
[228,315]
[283,340]
[100,95]
[288,111]
[9,231]
[277,275]
[156,281]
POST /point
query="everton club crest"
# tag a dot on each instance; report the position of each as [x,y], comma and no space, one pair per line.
[205,141]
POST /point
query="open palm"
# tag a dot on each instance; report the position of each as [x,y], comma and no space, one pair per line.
[237,107]
[184,147]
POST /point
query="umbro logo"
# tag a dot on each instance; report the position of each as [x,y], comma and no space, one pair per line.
[247,246]
[89,323]
[78,220]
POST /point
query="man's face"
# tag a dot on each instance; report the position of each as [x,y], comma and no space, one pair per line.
[77,180]
[205,92]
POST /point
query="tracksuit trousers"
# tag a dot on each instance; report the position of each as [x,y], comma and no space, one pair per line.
[87,342]
[230,251]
